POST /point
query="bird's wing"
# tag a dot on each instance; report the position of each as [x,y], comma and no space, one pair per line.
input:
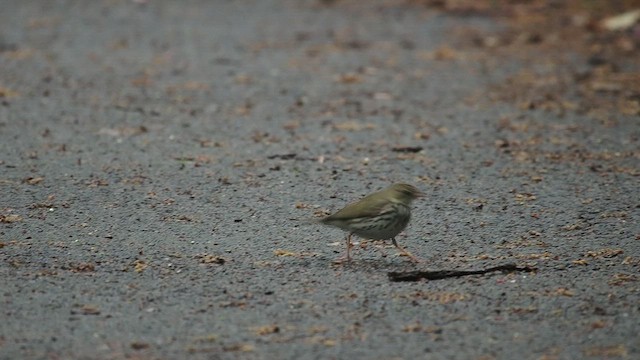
[366,207]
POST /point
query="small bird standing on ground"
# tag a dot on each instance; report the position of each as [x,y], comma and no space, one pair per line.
[378,216]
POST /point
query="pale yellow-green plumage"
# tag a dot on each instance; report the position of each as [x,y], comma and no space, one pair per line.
[379,216]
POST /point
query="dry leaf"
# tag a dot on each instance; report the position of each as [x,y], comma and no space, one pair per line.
[8,93]
[524,197]
[350,78]
[572,227]
[239,348]
[140,266]
[619,279]
[280,252]
[599,324]
[353,125]
[86,310]
[136,345]
[607,351]
[524,310]
[621,21]
[291,125]
[11,218]
[33,180]
[83,267]
[125,131]
[564,292]
[329,342]
[605,253]
[211,259]
[412,328]
[266,330]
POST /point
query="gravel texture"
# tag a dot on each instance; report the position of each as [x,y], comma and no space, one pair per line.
[158,159]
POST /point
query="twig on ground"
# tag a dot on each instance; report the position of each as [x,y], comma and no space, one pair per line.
[444,274]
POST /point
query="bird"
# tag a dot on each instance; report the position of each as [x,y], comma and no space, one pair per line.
[378,216]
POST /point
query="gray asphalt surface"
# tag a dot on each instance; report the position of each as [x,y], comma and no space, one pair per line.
[156,159]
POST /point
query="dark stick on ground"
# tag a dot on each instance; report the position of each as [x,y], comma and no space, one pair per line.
[444,274]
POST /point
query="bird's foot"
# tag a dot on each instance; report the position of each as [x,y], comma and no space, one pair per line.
[342,260]
[413,259]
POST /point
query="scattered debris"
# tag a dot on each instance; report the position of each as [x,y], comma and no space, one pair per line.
[281,252]
[11,218]
[33,180]
[140,266]
[622,21]
[137,345]
[85,309]
[283,156]
[407,149]
[83,267]
[210,259]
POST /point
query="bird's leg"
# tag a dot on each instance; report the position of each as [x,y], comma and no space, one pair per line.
[346,258]
[349,246]
[405,252]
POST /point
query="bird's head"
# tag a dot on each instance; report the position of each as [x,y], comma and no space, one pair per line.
[404,193]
